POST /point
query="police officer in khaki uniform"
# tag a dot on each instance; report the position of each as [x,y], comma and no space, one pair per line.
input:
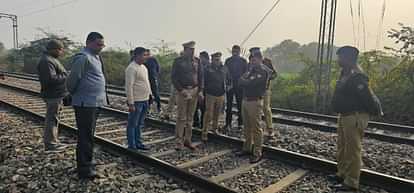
[214,88]
[186,76]
[267,99]
[253,83]
[355,102]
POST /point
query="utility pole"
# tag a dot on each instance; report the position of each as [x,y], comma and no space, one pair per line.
[325,54]
[15,32]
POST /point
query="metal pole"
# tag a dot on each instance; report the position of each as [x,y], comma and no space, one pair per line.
[14,26]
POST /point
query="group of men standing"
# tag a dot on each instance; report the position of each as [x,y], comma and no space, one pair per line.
[196,79]
[211,82]
[84,88]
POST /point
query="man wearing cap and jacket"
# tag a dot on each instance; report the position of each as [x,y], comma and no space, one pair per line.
[214,88]
[201,103]
[186,76]
[253,83]
[267,99]
[52,76]
[355,102]
[236,66]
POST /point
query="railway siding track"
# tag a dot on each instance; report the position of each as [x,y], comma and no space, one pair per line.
[298,161]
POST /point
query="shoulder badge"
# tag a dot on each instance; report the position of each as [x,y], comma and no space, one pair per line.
[360,86]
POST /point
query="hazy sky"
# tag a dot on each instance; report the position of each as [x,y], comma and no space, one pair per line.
[214,24]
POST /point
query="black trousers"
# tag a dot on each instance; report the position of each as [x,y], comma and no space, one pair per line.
[86,123]
[238,94]
[155,96]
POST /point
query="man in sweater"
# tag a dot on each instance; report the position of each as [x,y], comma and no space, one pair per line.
[52,77]
[86,83]
[138,91]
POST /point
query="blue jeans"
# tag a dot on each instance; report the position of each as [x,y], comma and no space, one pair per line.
[136,123]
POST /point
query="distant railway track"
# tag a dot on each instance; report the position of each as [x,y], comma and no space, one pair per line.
[287,165]
[393,133]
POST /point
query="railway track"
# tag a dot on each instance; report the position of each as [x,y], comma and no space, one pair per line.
[391,158]
[214,167]
[393,133]
[26,167]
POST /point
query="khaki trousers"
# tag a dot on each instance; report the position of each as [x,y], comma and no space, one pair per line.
[253,133]
[50,131]
[267,110]
[186,108]
[214,106]
[172,101]
[349,144]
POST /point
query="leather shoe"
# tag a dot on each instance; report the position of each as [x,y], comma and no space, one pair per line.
[143,147]
[344,188]
[190,146]
[179,147]
[335,179]
[88,176]
[242,153]
[255,159]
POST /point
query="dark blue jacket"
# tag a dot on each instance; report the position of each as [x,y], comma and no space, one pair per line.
[153,70]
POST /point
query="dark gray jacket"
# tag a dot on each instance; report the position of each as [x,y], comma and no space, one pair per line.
[52,76]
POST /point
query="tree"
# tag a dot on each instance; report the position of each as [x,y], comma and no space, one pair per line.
[32,50]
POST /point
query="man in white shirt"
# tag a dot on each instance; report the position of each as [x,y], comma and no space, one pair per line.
[138,90]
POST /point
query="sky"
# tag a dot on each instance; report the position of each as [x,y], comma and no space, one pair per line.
[214,24]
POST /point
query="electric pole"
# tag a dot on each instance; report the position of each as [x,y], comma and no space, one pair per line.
[15,32]
[325,54]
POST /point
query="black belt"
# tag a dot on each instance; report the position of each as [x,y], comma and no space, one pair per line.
[253,98]
[350,113]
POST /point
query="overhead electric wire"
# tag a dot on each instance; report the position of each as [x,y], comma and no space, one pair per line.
[260,22]
[364,31]
[380,25]
[48,8]
[359,24]
[353,20]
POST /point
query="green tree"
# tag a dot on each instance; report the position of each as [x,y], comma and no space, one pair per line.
[116,60]
[32,50]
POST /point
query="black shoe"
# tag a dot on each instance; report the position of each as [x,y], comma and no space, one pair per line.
[255,159]
[55,148]
[179,147]
[88,176]
[190,146]
[242,153]
[143,147]
[167,117]
[335,179]
[344,188]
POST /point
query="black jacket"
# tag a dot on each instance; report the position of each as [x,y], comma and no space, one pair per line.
[354,95]
[214,80]
[254,82]
[236,67]
[52,76]
[187,72]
